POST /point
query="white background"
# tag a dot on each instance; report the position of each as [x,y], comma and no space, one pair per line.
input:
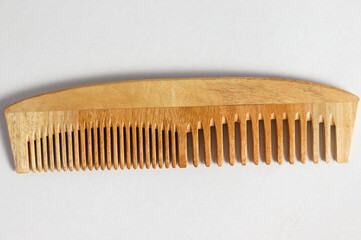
[50,45]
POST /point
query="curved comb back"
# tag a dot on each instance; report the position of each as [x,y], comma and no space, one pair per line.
[145,122]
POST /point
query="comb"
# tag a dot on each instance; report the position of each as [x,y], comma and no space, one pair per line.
[149,123]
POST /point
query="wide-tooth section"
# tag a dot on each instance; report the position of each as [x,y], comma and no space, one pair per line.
[113,142]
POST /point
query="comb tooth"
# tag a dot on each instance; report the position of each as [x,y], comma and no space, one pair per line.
[63,148]
[140,146]
[147,146]
[70,148]
[231,143]
[102,145]
[207,145]
[154,147]
[57,148]
[291,138]
[76,148]
[315,139]
[160,145]
[38,151]
[115,145]
[174,151]
[195,146]
[121,145]
[303,138]
[96,145]
[166,146]
[82,147]
[243,140]
[127,144]
[32,154]
[279,130]
[51,148]
[182,148]
[45,150]
[267,140]
[89,143]
[134,144]
[109,146]
[219,143]
[255,138]
[327,139]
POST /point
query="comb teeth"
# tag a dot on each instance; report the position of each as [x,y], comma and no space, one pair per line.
[112,143]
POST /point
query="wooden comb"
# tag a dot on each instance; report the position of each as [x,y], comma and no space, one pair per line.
[146,122]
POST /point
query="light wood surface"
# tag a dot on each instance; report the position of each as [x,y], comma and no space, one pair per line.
[146,123]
